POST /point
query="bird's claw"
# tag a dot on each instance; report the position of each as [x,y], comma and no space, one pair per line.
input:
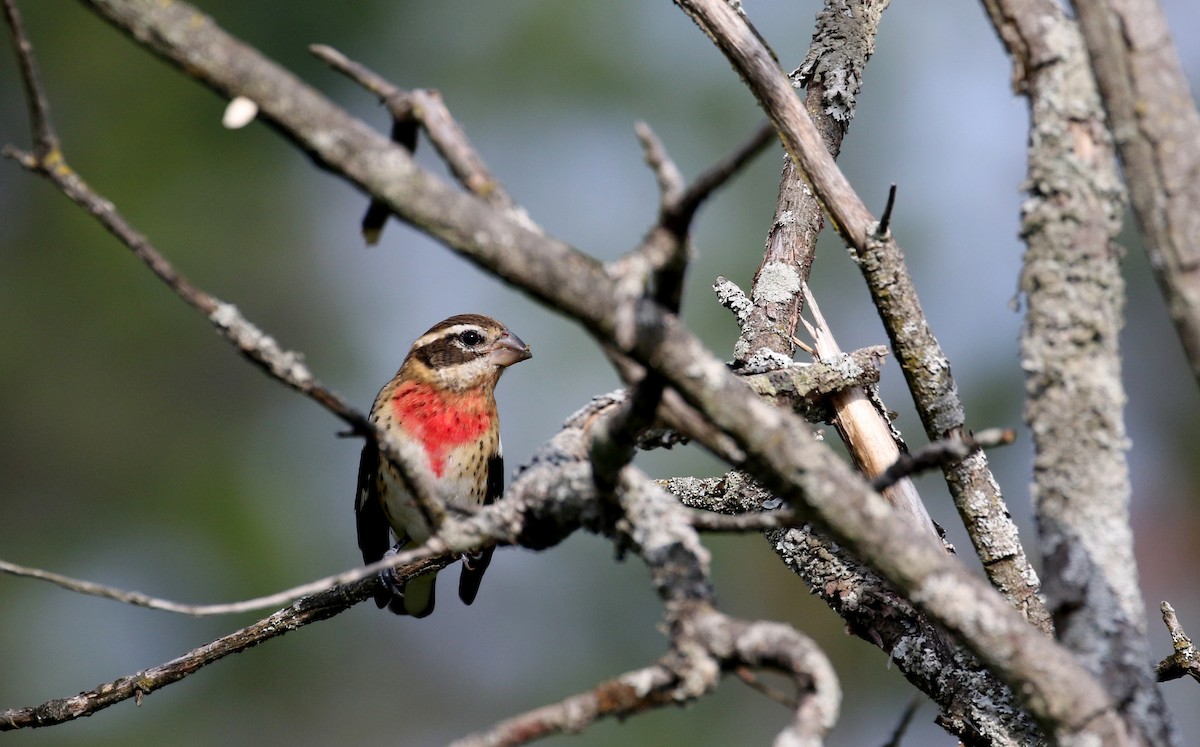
[390,579]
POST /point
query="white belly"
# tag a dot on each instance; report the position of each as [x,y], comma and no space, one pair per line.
[461,491]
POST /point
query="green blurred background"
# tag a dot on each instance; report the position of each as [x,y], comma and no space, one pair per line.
[140,450]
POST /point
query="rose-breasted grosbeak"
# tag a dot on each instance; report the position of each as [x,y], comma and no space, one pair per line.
[442,399]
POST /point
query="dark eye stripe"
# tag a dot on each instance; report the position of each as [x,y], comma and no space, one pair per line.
[446,350]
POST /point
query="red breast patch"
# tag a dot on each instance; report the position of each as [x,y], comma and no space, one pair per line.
[441,421]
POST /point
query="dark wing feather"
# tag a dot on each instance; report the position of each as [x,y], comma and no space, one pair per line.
[404,132]
[473,566]
[374,537]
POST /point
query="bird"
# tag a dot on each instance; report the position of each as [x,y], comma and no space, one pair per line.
[442,400]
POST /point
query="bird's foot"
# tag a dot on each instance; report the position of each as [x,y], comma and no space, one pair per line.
[390,580]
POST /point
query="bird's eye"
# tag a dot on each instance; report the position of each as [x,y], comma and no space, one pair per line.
[471,338]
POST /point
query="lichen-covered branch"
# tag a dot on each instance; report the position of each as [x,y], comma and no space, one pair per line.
[771,444]
[1070,354]
[1157,132]
[975,706]
[832,75]
[976,494]
[779,450]
[1186,659]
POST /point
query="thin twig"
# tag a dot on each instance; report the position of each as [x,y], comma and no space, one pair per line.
[426,108]
[754,682]
[284,365]
[707,521]
[902,727]
[263,350]
[936,454]
[140,684]
[721,172]
[44,138]
[1186,659]
[670,179]
[660,260]
[406,565]
[885,220]
[632,692]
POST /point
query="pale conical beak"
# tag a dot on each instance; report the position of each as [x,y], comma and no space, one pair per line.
[509,350]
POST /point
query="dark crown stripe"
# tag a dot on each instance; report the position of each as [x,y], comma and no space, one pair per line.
[479,320]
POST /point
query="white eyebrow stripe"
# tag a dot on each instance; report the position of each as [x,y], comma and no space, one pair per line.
[447,332]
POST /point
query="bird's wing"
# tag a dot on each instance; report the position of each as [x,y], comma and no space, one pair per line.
[474,565]
[374,537]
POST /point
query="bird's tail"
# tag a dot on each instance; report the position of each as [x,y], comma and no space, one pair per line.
[417,597]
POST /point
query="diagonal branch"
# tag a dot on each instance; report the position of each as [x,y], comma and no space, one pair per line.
[428,109]
[626,695]
[778,449]
[1153,114]
[925,366]
[425,109]
[1186,659]
[45,141]
[974,704]
[409,564]
[260,348]
[140,684]
[832,74]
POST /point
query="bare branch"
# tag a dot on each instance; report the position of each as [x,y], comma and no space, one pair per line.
[867,431]
[45,141]
[778,448]
[1186,659]
[427,108]
[405,565]
[872,609]
[703,642]
[670,179]
[660,262]
[1070,352]
[1150,108]
[630,693]
[901,727]
[424,109]
[721,172]
[907,328]
[741,645]
[284,365]
[523,512]
[140,684]
[832,72]
[885,220]
[926,368]
[933,455]
[664,253]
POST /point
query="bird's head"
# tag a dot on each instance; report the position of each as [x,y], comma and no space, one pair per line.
[465,352]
